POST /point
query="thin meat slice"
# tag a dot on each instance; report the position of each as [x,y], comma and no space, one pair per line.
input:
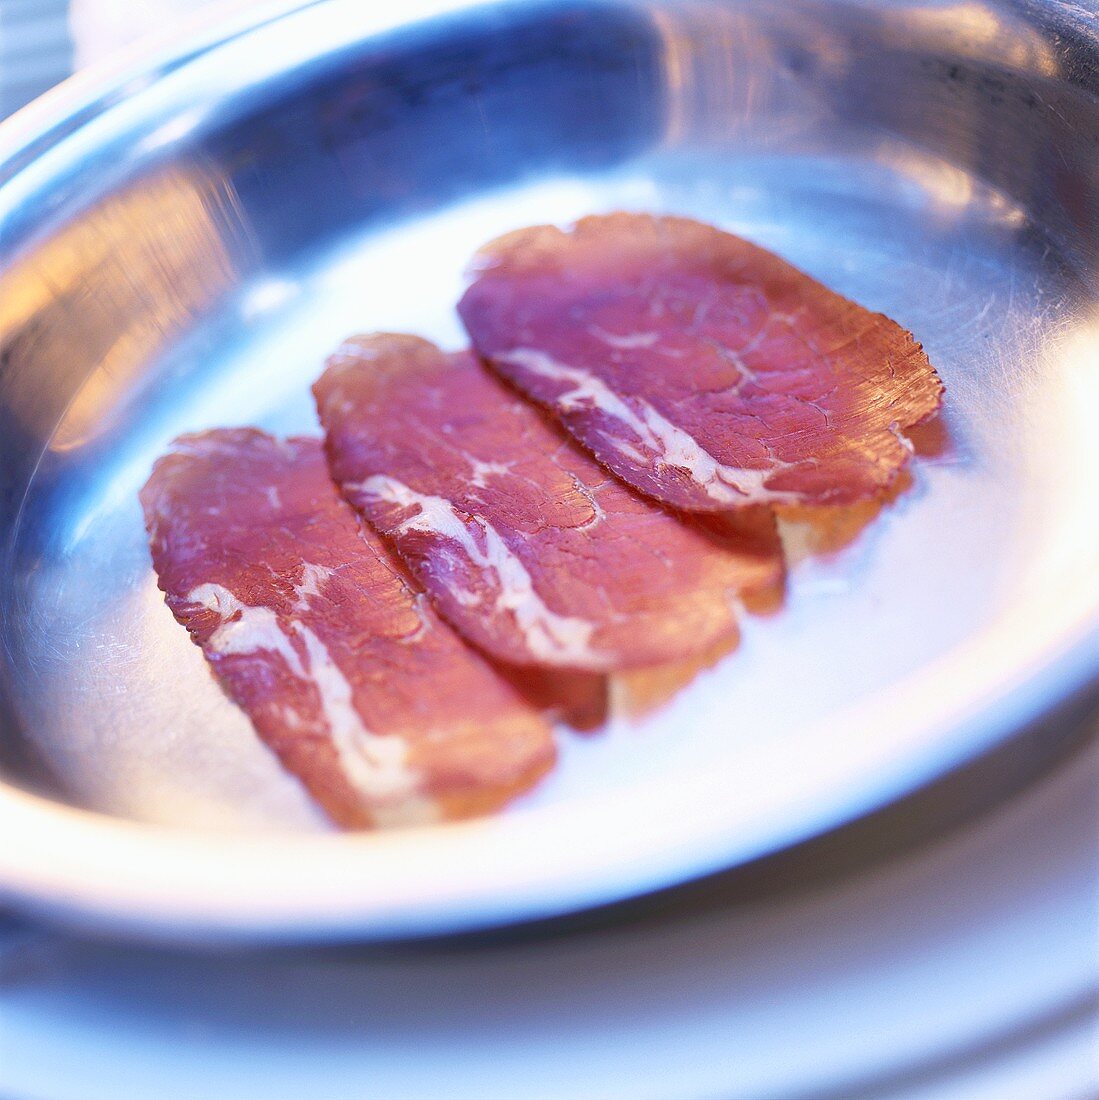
[311,626]
[531,549]
[703,370]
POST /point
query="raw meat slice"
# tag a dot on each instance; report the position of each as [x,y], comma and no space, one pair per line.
[311,626]
[531,549]
[705,371]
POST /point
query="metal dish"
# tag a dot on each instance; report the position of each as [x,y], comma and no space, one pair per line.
[183,239]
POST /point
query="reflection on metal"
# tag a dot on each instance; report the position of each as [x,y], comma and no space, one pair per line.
[728,74]
[981,32]
[989,93]
[744,68]
[1069,572]
[951,191]
[906,157]
[106,292]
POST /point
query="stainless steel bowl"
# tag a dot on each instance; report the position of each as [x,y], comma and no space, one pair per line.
[183,238]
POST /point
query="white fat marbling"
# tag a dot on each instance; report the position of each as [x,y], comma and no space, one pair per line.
[244,629]
[353,349]
[557,639]
[376,765]
[628,342]
[482,471]
[313,577]
[672,445]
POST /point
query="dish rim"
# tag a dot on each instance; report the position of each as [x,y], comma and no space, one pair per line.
[162,882]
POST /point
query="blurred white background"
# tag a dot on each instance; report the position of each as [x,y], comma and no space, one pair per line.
[100,26]
[43,41]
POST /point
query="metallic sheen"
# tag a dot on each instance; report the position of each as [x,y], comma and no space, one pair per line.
[182,240]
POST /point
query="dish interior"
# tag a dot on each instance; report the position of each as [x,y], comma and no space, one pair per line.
[312,187]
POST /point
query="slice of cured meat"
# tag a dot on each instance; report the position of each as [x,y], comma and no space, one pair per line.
[529,547]
[311,626]
[702,369]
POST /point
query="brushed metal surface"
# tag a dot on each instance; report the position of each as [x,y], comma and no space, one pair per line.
[183,240]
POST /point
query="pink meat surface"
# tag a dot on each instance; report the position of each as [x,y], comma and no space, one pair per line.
[528,547]
[703,370]
[310,625]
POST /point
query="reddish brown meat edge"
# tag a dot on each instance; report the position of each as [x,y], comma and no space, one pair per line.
[314,630]
[702,369]
[528,547]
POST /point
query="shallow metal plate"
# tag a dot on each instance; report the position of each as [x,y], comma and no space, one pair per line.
[933,978]
[184,241]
